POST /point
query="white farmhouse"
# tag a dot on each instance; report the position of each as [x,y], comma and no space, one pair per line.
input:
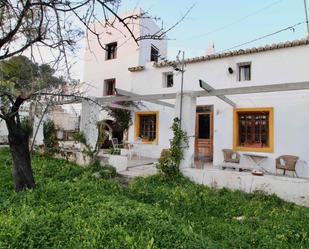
[262,124]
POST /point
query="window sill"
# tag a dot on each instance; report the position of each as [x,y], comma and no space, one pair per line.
[248,149]
[155,142]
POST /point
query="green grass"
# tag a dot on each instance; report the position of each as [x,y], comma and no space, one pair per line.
[71,209]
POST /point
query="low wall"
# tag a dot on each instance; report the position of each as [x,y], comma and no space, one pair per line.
[294,190]
[76,157]
[120,163]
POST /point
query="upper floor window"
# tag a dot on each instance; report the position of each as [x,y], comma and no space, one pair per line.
[154,53]
[244,71]
[168,79]
[111,51]
[109,87]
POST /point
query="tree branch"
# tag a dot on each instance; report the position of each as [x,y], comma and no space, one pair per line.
[13,32]
[18,102]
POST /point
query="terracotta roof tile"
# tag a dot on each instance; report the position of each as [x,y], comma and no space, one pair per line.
[136,69]
[267,47]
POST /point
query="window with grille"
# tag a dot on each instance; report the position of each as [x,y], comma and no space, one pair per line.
[244,71]
[109,87]
[154,53]
[146,126]
[111,51]
[254,129]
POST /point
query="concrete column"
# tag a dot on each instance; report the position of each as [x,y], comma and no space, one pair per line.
[187,125]
[88,123]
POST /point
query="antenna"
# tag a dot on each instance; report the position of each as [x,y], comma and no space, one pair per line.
[306,15]
[177,57]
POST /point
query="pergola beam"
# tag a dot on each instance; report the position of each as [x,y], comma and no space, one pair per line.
[116,106]
[111,105]
[158,102]
[137,98]
[218,92]
[210,89]
[285,87]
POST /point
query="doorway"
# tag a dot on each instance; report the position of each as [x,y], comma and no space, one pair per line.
[204,134]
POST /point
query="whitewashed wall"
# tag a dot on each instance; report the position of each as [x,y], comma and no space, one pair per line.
[3,132]
[291,109]
[291,121]
[129,54]
[149,27]
[270,67]
[166,116]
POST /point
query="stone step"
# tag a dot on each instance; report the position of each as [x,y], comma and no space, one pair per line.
[139,171]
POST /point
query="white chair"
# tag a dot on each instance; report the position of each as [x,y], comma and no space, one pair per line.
[115,143]
[130,150]
[137,147]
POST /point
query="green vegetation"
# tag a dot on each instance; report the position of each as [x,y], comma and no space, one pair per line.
[50,138]
[27,125]
[113,151]
[106,171]
[72,209]
[122,117]
[170,158]
[20,74]
[81,138]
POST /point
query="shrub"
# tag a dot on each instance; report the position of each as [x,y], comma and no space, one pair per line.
[106,171]
[81,138]
[50,138]
[170,158]
[27,125]
[113,151]
[167,165]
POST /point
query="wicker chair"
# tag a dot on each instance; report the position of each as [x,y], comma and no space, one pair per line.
[286,163]
[230,156]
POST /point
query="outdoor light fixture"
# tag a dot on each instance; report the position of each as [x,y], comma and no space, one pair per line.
[231,71]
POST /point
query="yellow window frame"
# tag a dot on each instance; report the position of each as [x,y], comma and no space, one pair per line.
[270,148]
[137,126]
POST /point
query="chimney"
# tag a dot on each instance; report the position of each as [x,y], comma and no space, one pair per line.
[210,48]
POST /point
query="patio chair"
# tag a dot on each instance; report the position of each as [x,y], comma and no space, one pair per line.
[138,146]
[230,156]
[130,150]
[286,163]
[231,159]
[115,143]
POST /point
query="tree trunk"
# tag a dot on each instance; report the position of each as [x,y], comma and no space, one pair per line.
[22,171]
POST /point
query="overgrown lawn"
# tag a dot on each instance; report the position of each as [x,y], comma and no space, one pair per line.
[71,209]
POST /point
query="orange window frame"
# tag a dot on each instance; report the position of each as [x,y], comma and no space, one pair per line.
[270,148]
[137,126]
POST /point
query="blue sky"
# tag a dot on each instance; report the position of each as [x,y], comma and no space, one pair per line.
[224,22]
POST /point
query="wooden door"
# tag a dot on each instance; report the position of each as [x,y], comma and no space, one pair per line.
[204,137]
